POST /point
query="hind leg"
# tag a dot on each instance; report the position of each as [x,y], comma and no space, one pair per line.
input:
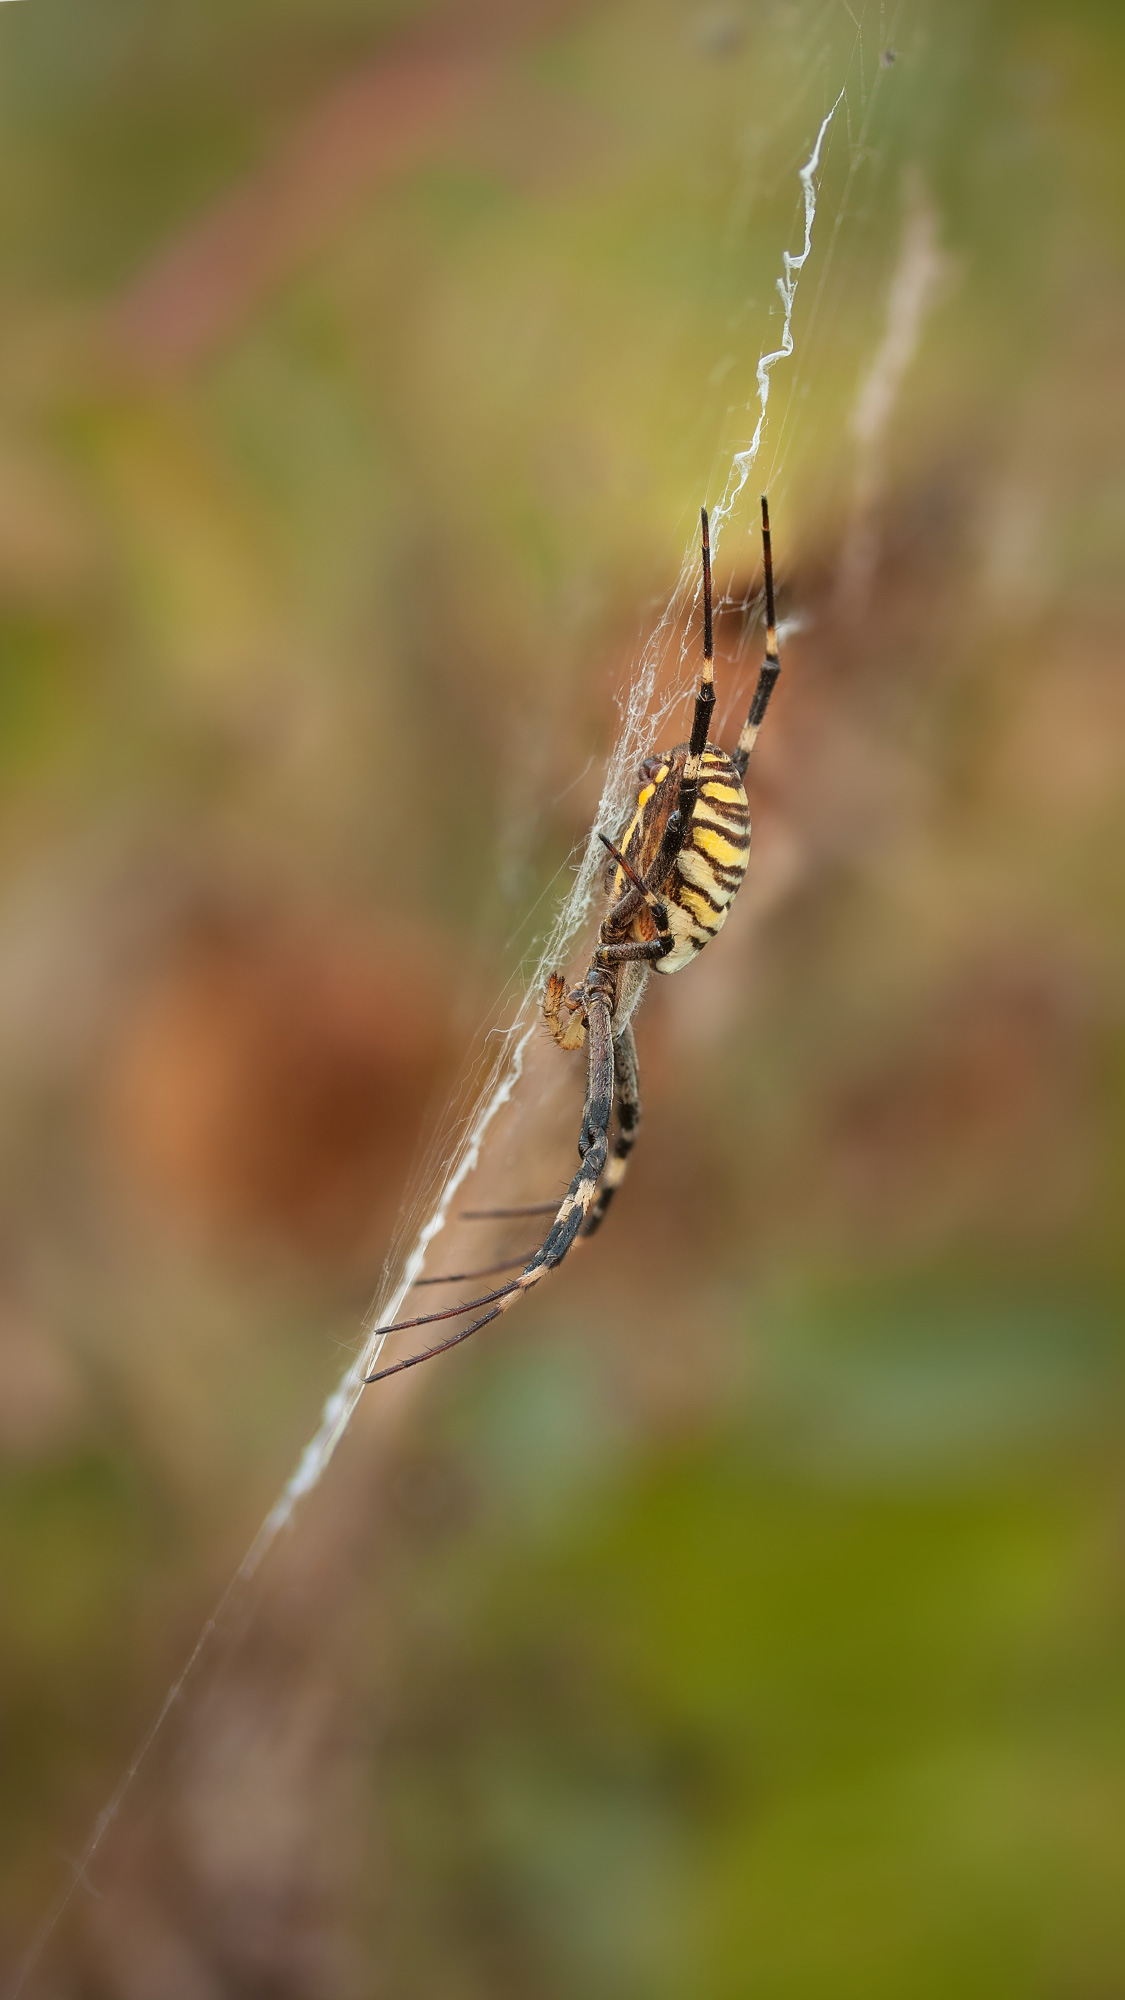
[628,1105]
[573,1211]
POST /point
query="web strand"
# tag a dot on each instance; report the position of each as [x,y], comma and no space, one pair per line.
[644,711]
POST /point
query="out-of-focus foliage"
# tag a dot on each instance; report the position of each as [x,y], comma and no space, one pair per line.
[749,1617]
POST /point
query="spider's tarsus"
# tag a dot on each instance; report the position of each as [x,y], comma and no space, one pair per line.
[489,1271]
[767,566]
[708,635]
[622,863]
[503,1214]
[428,1353]
[450,1312]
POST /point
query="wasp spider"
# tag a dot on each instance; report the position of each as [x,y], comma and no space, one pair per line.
[671,882]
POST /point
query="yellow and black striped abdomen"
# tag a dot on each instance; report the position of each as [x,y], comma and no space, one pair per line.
[706,875]
[711,864]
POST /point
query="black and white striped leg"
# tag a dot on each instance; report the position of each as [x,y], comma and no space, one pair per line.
[704,700]
[593,1146]
[771,665]
[679,825]
[628,1094]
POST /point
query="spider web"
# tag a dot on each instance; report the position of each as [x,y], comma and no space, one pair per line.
[644,714]
[849,74]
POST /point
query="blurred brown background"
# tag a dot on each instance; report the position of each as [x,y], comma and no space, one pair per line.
[746,1616]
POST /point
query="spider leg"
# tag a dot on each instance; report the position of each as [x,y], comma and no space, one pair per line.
[771,665]
[627,1087]
[612,948]
[428,1353]
[622,912]
[489,1271]
[620,954]
[679,822]
[593,1145]
[704,701]
[503,1214]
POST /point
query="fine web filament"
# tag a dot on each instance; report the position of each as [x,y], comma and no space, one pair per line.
[638,725]
[642,717]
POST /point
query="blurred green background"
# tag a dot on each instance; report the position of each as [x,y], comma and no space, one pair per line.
[746,1617]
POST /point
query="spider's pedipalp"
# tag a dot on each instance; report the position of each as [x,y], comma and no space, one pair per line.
[569,1031]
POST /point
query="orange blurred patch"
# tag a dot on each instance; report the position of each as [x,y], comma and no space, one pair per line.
[268,1080]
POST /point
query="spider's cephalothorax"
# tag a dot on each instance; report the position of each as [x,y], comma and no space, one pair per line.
[671,882]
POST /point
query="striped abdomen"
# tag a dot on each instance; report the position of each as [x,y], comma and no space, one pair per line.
[705,877]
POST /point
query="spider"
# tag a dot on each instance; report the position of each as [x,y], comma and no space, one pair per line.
[671,882]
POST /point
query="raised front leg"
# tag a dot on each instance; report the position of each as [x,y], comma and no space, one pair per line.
[771,665]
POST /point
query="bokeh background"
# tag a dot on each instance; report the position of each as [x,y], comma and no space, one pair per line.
[746,1616]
